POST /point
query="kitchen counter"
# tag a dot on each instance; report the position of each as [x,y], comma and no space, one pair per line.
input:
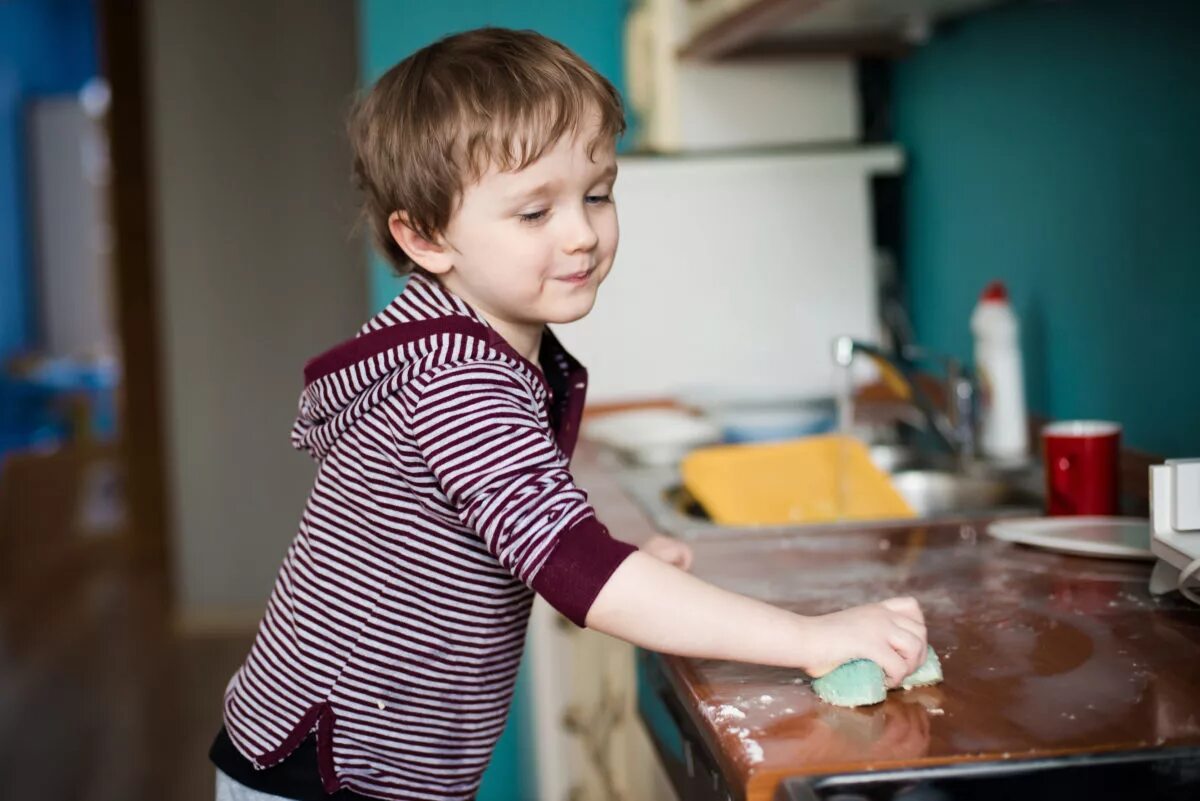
[1044,655]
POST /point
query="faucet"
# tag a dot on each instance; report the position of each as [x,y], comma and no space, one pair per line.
[955,427]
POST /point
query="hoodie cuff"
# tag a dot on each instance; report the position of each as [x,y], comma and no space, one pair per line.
[579,566]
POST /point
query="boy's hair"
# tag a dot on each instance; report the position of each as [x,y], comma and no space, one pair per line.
[438,120]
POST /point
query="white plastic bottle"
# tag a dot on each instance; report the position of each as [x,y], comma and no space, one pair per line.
[1004,432]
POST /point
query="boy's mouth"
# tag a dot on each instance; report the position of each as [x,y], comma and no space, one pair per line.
[578,278]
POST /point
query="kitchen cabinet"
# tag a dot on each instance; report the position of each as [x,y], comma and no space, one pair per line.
[731,29]
[590,743]
[689,106]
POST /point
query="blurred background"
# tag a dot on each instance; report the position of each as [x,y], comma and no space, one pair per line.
[177,237]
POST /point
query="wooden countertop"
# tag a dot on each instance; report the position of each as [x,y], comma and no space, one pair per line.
[1043,654]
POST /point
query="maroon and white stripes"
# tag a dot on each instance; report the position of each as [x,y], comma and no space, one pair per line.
[398,619]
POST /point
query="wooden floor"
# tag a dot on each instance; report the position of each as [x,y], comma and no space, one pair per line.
[100,698]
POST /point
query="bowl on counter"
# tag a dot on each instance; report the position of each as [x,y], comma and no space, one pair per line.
[774,425]
[762,415]
[652,437]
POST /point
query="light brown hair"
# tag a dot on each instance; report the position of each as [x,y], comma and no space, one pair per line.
[437,121]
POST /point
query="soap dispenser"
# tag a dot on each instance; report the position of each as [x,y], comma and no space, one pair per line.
[1004,433]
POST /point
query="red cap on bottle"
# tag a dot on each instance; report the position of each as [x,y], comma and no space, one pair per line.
[995,291]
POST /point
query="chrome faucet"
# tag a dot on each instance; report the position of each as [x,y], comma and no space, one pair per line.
[955,427]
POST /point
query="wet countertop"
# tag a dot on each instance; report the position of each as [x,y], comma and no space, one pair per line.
[1043,654]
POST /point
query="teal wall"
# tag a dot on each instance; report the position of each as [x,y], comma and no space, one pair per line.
[1057,146]
[392,29]
[389,30]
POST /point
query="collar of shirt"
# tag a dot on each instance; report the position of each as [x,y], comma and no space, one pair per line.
[425,308]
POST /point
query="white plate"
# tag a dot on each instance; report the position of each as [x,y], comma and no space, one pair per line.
[1113,537]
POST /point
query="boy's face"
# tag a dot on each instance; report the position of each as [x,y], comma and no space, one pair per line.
[531,247]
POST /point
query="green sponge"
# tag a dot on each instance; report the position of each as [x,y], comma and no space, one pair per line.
[859,682]
[930,672]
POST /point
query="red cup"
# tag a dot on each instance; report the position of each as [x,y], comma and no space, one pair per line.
[1082,458]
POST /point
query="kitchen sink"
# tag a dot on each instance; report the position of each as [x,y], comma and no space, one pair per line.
[931,484]
[936,492]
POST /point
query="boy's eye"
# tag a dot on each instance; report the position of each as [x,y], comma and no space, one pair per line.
[536,216]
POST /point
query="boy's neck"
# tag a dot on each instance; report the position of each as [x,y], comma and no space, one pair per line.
[524,338]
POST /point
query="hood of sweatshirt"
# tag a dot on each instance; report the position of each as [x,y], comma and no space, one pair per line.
[346,382]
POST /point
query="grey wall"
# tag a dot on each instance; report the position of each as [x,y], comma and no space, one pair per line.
[259,269]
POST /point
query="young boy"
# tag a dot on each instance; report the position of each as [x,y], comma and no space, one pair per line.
[385,662]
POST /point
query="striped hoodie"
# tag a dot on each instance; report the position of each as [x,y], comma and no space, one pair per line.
[442,502]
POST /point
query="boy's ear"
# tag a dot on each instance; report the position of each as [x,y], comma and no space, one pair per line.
[433,257]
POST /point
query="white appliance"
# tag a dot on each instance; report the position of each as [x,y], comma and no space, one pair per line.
[69,174]
[1175,527]
[734,272]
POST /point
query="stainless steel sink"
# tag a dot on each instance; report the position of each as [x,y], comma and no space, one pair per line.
[931,486]
[893,458]
[936,492]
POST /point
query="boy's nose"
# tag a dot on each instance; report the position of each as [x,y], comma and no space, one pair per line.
[582,236]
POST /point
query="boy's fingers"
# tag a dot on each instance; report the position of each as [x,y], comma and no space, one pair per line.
[913,627]
[894,667]
[910,647]
[671,551]
[905,605]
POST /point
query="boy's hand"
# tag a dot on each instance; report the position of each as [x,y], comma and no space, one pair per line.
[669,550]
[890,633]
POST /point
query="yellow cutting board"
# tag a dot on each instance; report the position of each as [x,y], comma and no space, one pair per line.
[810,480]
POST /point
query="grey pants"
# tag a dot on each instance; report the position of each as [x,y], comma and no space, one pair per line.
[229,790]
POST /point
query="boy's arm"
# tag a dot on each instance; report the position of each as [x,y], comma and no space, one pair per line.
[475,426]
[659,607]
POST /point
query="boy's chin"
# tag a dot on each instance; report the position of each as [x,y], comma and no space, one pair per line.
[568,311]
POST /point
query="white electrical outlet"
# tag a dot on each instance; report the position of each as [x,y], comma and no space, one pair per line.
[1175,527]
[1185,511]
